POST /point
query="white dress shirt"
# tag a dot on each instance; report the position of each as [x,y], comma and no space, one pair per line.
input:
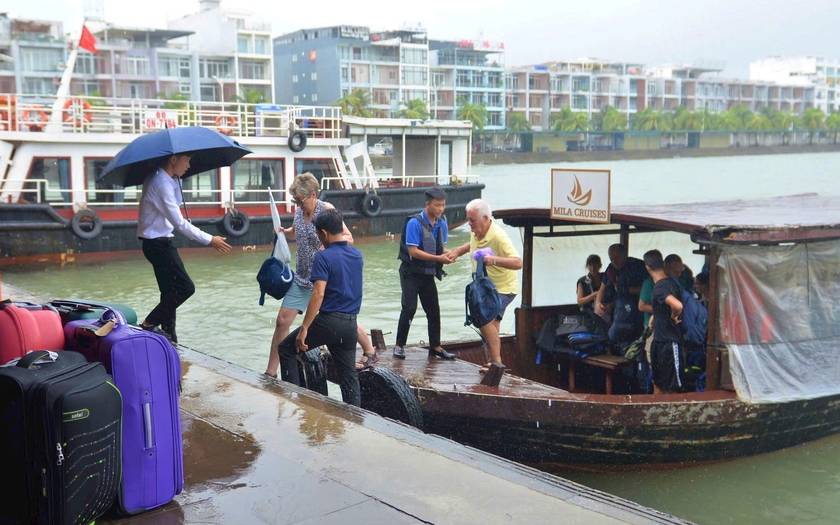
[160,212]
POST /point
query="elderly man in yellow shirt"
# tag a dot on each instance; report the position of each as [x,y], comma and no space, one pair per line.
[501,267]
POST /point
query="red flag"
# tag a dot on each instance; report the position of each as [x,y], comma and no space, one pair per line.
[88,41]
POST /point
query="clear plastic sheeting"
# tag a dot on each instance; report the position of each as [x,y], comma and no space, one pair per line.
[780,319]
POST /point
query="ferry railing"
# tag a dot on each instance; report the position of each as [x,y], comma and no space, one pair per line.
[83,114]
[384,180]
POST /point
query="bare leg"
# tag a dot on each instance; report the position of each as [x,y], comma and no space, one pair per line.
[490,333]
[367,346]
[285,318]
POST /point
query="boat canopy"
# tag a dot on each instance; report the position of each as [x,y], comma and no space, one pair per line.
[777,288]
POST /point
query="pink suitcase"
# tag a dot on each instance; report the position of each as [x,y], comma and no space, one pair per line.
[25,327]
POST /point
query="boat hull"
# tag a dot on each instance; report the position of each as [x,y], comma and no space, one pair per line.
[616,432]
[31,231]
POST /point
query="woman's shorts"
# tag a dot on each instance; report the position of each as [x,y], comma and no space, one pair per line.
[297,298]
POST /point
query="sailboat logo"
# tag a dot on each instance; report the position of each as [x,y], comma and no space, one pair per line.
[577,196]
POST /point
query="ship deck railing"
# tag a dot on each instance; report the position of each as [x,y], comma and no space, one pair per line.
[81,114]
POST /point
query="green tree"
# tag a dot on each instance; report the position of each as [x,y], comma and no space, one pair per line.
[726,121]
[517,122]
[414,109]
[757,122]
[356,103]
[475,113]
[813,120]
[650,120]
[252,96]
[785,121]
[689,121]
[741,114]
[832,122]
[557,120]
[609,119]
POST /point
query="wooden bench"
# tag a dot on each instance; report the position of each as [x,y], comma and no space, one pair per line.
[609,363]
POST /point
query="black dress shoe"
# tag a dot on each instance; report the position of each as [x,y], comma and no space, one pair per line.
[443,354]
[156,330]
[399,352]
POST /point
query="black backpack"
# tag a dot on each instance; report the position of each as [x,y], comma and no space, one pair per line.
[482,301]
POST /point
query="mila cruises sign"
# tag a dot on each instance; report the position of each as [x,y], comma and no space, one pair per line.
[580,195]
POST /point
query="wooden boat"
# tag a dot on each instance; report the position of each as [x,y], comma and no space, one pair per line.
[53,148]
[773,376]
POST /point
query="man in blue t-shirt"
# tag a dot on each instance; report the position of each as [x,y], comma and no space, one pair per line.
[331,313]
[665,351]
[423,255]
[623,278]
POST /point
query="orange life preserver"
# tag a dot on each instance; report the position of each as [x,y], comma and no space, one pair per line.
[7,113]
[71,116]
[31,110]
[225,124]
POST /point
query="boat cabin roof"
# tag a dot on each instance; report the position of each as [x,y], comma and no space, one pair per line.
[358,126]
[794,218]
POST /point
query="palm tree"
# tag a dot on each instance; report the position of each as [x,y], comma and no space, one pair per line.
[475,113]
[356,103]
[757,122]
[609,119]
[650,120]
[742,114]
[785,121]
[518,122]
[726,121]
[252,96]
[414,109]
[689,121]
[557,120]
[832,122]
[813,119]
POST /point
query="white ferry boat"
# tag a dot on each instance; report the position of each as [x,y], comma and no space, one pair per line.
[53,149]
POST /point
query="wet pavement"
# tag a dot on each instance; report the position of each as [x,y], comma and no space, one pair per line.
[257,450]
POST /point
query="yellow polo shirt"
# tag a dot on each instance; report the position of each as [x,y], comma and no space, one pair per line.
[506,281]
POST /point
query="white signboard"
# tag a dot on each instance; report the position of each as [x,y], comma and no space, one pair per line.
[160,119]
[580,195]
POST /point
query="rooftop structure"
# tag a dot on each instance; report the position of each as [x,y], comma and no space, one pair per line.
[814,72]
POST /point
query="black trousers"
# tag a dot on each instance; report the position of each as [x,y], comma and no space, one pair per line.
[416,285]
[339,333]
[173,282]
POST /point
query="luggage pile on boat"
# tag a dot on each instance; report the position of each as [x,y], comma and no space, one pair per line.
[90,413]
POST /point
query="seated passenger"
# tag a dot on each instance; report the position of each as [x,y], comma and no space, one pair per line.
[589,284]
[624,277]
[675,268]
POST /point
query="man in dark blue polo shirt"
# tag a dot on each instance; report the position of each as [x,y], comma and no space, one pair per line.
[331,313]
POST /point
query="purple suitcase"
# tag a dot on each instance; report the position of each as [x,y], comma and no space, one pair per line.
[147,371]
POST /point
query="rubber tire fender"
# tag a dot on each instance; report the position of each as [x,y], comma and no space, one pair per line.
[86,217]
[297,141]
[312,370]
[371,205]
[387,394]
[230,220]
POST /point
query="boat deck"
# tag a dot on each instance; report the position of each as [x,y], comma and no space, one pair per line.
[462,376]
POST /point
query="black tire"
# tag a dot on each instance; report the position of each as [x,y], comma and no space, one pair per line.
[86,224]
[312,371]
[371,205]
[387,394]
[235,223]
[297,141]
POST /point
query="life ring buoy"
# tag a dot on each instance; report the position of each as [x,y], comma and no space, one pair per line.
[86,224]
[236,223]
[225,124]
[77,119]
[7,113]
[387,394]
[371,205]
[297,141]
[26,117]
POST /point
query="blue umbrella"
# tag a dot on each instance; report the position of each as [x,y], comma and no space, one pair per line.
[145,154]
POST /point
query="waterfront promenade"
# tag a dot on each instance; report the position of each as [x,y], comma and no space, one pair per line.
[260,451]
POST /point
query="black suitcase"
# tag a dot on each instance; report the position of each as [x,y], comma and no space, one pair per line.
[60,433]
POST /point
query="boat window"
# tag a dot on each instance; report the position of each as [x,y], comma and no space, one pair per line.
[203,187]
[48,180]
[323,169]
[560,261]
[104,193]
[253,177]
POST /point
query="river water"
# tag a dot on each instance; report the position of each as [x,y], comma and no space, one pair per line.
[798,485]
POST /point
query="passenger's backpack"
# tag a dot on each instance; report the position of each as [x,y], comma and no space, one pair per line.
[695,319]
[482,301]
[275,278]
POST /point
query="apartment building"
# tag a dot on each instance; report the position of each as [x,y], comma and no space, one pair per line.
[319,66]
[585,85]
[698,87]
[813,71]
[209,56]
[471,71]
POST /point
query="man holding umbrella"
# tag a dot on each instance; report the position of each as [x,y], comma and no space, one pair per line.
[160,215]
[158,161]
